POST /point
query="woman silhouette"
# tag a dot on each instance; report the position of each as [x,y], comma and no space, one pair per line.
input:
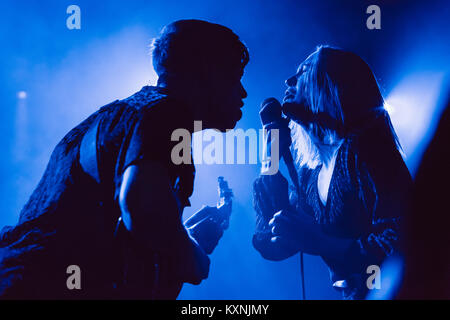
[353,182]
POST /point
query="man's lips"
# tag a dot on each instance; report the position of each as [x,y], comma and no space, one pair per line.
[238,111]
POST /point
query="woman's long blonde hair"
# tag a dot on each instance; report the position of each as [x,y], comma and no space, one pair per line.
[340,85]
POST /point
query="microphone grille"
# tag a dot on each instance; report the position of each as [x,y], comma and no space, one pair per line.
[271,101]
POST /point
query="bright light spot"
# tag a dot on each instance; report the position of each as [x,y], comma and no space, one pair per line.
[390,109]
[411,105]
[22,95]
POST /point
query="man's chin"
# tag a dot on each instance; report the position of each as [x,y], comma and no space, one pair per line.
[226,124]
[224,127]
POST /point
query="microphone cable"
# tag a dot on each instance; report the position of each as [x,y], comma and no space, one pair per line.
[289,161]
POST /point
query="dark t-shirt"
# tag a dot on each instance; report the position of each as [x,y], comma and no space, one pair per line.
[71,219]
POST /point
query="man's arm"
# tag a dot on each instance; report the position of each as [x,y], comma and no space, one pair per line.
[151,212]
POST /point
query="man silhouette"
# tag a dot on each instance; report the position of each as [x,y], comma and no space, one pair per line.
[111,199]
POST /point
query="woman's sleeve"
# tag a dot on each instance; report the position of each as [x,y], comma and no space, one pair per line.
[383,184]
[270,194]
[261,237]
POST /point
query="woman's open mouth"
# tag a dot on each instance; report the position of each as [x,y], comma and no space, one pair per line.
[288,97]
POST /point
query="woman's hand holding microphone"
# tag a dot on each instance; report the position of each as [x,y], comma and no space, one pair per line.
[291,231]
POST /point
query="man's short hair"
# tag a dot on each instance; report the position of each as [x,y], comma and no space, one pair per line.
[184,45]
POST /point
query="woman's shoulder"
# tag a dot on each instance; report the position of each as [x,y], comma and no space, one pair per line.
[379,161]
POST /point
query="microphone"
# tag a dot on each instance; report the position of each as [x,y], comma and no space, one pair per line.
[270,111]
[271,118]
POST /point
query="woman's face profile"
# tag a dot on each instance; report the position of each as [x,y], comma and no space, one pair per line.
[296,100]
[294,92]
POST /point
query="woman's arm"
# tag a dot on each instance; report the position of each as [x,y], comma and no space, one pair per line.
[383,184]
[270,194]
[382,198]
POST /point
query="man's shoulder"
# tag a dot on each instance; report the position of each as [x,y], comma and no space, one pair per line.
[154,108]
[136,104]
[146,97]
[123,114]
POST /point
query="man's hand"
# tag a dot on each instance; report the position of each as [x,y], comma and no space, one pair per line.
[207,230]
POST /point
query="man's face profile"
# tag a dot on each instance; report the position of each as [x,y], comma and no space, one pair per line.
[225,93]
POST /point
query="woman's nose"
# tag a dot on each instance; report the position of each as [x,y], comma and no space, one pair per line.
[291,82]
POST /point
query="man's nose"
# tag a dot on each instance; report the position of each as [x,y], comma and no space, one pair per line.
[291,82]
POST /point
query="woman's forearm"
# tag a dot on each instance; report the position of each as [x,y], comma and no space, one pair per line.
[334,248]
